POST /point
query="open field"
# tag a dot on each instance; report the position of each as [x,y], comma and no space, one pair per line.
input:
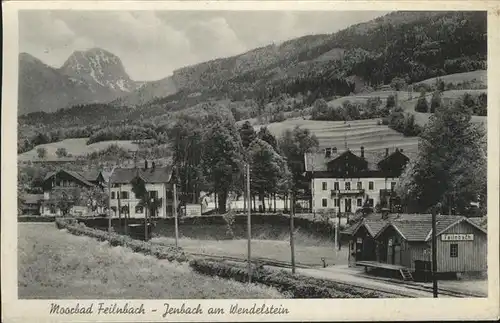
[75,147]
[355,133]
[278,250]
[479,76]
[363,97]
[448,96]
[55,264]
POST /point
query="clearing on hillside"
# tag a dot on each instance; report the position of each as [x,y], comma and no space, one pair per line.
[354,134]
[479,77]
[75,147]
[54,264]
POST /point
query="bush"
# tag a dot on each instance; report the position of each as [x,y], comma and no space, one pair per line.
[298,286]
[170,253]
[422,105]
[35,218]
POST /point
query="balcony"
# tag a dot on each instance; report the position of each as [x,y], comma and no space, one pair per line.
[337,193]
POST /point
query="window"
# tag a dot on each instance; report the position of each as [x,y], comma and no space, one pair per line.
[360,185]
[153,194]
[170,195]
[370,186]
[370,202]
[336,186]
[139,209]
[324,202]
[454,250]
[336,202]
[334,150]
[393,185]
[325,186]
[112,195]
[124,195]
[347,186]
[360,202]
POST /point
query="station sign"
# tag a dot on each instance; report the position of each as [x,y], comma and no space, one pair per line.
[193,210]
[457,237]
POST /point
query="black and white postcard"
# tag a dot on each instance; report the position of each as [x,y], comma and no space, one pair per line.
[250,161]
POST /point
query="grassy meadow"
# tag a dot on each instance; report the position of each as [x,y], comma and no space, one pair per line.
[75,147]
[55,264]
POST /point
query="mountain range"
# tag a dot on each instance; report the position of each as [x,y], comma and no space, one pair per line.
[412,45]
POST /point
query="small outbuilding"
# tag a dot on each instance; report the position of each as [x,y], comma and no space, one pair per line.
[403,243]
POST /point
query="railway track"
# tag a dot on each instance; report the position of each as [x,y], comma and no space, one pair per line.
[259,261]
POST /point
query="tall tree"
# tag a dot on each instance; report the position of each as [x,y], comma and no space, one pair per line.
[267,136]
[436,101]
[269,170]
[422,105]
[247,134]
[293,145]
[451,165]
[223,161]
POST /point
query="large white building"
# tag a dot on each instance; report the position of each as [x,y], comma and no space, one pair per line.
[344,181]
[157,181]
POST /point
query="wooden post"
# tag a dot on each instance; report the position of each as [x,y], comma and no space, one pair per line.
[146,209]
[249,227]
[109,205]
[292,245]
[176,217]
[434,256]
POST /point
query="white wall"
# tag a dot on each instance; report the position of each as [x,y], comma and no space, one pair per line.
[319,193]
[132,201]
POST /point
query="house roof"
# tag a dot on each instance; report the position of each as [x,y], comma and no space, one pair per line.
[73,174]
[150,175]
[318,161]
[420,228]
[32,198]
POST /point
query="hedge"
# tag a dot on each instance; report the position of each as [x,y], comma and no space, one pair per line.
[35,218]
[159,251]
[299,286]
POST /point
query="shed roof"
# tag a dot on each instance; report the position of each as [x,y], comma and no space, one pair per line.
[150,175]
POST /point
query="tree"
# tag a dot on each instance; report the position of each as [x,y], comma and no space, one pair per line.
[95,197]
[247,134]
[391,102]
[223,161]
[41,152]
[398,83]
[269,171]
[61,152]
[294,144]
[436,101]
[422,105]
[267,136]
[65,199]
[451,165]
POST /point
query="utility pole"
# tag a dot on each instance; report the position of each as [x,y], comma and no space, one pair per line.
[249,226]
[176,216]
[434,256]
[109,195]
[292,245]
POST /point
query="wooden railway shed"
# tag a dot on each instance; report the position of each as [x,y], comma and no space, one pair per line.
[402,242]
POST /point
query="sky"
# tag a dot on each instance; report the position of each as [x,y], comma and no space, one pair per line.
[152,44]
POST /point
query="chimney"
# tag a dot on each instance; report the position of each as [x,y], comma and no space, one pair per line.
[362,152]
[145,164]
[328,152]
[386,152]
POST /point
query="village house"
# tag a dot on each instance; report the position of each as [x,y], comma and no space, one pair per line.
[31,204]
[157,180]
[345,181]
[402,243]
[70,183]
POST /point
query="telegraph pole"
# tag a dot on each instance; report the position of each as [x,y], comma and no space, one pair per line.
[434,256]
[292,246]
[176,216]
[109,195]
[249,226]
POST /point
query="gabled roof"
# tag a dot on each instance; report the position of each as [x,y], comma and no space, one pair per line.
[420,229]
[318,162]
[73,174]
[31,198]
[91,175]
[150,175]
